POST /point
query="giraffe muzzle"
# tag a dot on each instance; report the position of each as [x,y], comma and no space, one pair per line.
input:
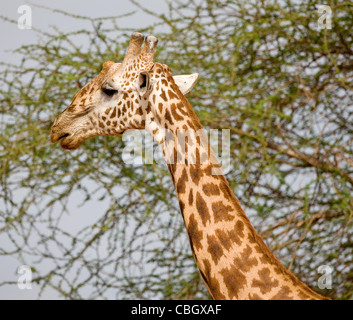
[55,137]
[57,133]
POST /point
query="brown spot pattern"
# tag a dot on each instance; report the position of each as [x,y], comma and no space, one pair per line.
[283,294]
[224,238]
[168,117]
[175,114]
[265,282]
[221,212]
[191,198]
[234,280]
[303,295]
[237,233]
[195,233]
[113,115]
[163,95]
[180,187]
[212,282]
[202,209]
[214,248]
[160,107]
[172,95]
[211,189]
[195,173]
[245,262]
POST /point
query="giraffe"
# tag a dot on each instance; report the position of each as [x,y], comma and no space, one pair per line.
[233,260]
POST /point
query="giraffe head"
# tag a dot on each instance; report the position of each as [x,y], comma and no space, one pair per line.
[116,100]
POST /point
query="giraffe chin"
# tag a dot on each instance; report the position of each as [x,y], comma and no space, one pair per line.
[71,143]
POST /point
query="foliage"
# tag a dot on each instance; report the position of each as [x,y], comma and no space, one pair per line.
[282,86]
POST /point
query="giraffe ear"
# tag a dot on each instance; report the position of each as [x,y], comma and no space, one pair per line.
[144,82]
[186,82]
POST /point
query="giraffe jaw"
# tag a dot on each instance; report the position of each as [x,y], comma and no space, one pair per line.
[70,142]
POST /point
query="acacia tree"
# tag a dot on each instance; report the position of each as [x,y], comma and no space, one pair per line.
[281,86]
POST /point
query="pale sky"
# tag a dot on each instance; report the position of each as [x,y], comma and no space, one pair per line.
[11,37]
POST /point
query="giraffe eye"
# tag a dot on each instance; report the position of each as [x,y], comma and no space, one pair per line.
[109,92]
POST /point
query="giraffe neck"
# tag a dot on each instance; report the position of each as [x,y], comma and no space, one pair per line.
[233,260]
